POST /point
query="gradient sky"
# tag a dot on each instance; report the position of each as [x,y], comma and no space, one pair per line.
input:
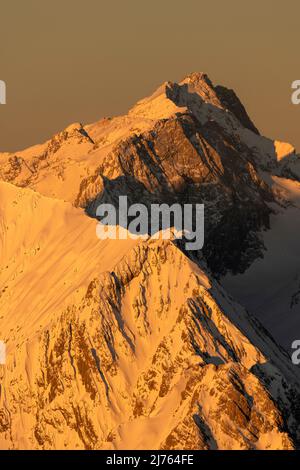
[69,60]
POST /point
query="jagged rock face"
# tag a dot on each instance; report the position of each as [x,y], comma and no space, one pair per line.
[146,359]
[188,142]
[231,101]
[131,344]
[182,161]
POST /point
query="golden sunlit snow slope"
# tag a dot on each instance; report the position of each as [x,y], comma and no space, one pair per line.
[107,347]
[49,252]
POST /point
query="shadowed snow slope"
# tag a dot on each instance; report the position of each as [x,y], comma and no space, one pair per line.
[270,288]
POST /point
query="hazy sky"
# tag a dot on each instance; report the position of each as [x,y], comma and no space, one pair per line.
[71,60]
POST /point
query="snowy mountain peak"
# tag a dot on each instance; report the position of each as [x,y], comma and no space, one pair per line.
[121,344]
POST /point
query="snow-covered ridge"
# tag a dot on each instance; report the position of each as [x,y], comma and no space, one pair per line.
[127,344]
[107,342]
